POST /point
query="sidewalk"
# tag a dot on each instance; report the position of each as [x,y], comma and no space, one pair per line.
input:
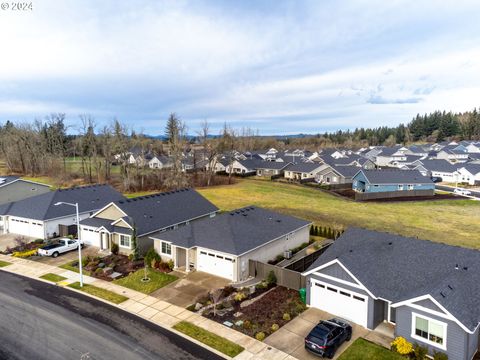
[157,311]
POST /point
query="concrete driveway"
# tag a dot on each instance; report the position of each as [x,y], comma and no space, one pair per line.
[185,291]
[67,257]
[8,240]
[290,338]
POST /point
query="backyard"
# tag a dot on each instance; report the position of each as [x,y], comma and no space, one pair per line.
[456,222]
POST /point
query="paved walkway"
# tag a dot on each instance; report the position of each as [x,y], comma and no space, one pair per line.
[157,311]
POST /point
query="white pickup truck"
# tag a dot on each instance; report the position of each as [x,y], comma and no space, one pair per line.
[60,246]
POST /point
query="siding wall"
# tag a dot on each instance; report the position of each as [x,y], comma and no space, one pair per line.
[269,251]
[51,226]
[460,345]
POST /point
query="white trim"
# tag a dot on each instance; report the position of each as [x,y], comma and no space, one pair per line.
[428,341]
[340,281]
[171,248]
[120,241]
[121,219]
[106,206]
[447,315]
[336,261]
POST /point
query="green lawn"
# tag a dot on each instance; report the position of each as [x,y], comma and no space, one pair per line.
[4,263]
[217,342]
[53,277]
[157,281]
[99,292]
[455,222]
[69,266]
[362,349]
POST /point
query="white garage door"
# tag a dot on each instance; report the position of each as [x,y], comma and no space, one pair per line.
[90,236]
[340,302]
[26,227]
[215,264]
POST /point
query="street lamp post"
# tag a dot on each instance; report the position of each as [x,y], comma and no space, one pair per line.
[80,267]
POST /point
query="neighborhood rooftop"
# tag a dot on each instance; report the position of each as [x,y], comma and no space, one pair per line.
[42,207]
[388,176]
[401,268]
[235,232]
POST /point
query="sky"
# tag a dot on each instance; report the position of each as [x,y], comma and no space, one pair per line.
[279,67]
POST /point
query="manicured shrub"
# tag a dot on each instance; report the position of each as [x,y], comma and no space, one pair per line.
[170,264]
[419,352]
[115,248]
[130,257]
[247,324]
[98,271]
[271,278]
[286,317]
[151,257]
[239,296]
[24,254]
[275,327]
[260,336]
[402,346]
[440,356]
[38,241]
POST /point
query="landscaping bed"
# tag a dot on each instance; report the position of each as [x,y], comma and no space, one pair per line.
[259,313]
[157,280]
[23,248]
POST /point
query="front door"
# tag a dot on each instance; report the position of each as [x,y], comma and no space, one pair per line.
[105,243]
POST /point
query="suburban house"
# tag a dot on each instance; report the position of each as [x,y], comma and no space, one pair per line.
[426,290]
[470,174]
[270,168]
[159,162]
[43,217]
[453,155]
[12,188]
[242,166]
[115,222]
[390,154]
[331,174]
[302,171]
[437,168]
[376,184]
[224,244]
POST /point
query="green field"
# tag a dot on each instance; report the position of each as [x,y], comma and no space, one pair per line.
[454,222]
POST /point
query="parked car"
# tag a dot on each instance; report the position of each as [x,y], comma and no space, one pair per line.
[461,191]
[61,246]
[327,336]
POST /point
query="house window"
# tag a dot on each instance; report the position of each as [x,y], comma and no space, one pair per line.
[400,187]
[125,241]
[410,187]
[166,248]
[429,331]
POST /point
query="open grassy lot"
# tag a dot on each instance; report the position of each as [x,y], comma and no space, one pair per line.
[455,222]
[213,340]
[4,263]
[99,292]
[53,277]
[362,349]
[157,281]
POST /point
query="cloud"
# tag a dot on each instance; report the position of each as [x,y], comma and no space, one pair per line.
[280,67]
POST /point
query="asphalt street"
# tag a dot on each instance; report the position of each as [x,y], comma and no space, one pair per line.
[42,321]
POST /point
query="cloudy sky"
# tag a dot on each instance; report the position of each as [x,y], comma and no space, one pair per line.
[281,67]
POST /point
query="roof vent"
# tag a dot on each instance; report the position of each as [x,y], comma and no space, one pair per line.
[279,221]
[456,266]
[442,294]
[465,268]
[450,287]
[390,243]
[231,214]
[245,214]
[120,202]
[351,250]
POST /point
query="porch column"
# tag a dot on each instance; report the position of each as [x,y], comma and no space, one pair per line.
[174,257]
[187,261]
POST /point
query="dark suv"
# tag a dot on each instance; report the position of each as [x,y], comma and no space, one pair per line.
[327,336]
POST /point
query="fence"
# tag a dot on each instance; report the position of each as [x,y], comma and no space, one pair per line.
[285,277]
[305,262]
[66,230]
[359,196]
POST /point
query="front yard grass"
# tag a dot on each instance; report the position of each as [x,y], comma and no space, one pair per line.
[53,277]
[72,266]
[99,292]
[455,222]
[363,349]
[4,263]
[157,281]
[217,342]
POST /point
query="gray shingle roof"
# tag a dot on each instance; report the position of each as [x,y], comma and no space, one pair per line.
[41,207]
[438,165]
[346,171]
[235,232]
[303,167]
[398,268]
[158,211]
[396,177]
[472,168]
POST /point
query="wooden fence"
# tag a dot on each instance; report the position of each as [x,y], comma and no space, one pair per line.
[360,196]
[285,277]
[304,263]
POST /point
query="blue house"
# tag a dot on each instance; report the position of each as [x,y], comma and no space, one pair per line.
[376,184]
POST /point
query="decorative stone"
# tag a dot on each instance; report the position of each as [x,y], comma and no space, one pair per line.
[198,306]
[251,289]
[115,275]
[228,324]
[239,323]
[101,265]
[237,314]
